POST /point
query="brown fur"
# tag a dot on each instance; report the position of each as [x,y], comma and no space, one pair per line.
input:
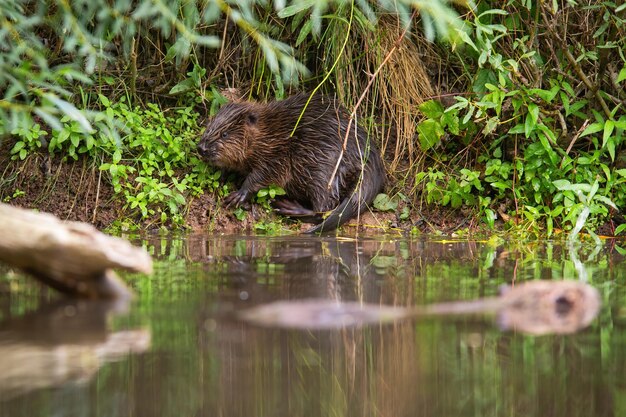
[255,140]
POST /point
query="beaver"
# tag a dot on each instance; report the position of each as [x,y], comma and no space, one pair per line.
[277,143]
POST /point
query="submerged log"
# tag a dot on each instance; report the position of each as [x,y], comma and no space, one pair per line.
[72,257]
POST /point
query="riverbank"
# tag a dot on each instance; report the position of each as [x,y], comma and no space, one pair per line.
[80,191]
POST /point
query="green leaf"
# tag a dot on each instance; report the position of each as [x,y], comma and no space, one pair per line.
[430,133]
[491,125]
[466,38]
[304,32]
[104,100]
[431,109]
[300,6]
[562,184]
[468,116]
[529,125]
[183,86]
[490,218]
[607,201]
[592,128]
[619,229]
[609,125]
[610,146]
[493,11]
[113,170]
[451,121]
[17,147]
[546,95]
[533,110]
[622,74]
[278,190]
[383,202]
[63,135]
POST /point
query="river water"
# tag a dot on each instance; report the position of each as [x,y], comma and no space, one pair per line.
[178,349]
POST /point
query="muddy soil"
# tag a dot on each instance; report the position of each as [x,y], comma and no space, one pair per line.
[78,191]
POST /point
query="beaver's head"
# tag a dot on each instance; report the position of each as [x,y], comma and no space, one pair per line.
[229,136]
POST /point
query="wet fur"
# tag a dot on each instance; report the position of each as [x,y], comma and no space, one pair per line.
[254,140]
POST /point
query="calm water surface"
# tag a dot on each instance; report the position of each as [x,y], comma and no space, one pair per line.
[177,349]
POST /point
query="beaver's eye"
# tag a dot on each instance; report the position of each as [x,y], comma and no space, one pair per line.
[224,135]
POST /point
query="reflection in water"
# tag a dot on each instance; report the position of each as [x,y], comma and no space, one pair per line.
[534,307]
[66,341]
[205,362]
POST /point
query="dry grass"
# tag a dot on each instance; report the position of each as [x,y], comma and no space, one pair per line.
[402,86]
[403,83]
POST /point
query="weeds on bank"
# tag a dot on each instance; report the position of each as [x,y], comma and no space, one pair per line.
[152,165]
[547,142]
[534,139]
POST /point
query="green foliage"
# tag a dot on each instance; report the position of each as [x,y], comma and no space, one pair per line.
[383,202]
[550,153]
[17,193]
[155,166]
[269,227]
[51,47]
[88,35]
[152,166]
[27,140]
[535,137]
[265,195]
[438,121]
[444,190]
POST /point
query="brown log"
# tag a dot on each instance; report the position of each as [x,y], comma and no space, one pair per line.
[72,257]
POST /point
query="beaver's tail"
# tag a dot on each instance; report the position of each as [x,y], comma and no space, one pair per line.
[363,194]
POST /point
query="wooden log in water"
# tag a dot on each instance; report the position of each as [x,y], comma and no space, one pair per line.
[72,257]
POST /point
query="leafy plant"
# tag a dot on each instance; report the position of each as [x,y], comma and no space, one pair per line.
[155,166]
[265,195]
[28,140]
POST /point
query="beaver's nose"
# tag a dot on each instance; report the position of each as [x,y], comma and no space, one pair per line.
[203,148]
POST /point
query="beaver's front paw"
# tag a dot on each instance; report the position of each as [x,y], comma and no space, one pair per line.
[237,198]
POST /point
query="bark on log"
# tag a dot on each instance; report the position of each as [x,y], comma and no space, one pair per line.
[72,257]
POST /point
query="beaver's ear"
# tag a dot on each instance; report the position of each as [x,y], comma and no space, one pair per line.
[252,118]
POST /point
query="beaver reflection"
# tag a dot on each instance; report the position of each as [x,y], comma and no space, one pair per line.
[535,307]
[541,307]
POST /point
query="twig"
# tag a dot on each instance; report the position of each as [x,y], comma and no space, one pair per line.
[95,208]
[574,138]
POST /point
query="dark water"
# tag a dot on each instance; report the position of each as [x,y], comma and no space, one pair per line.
[178,351]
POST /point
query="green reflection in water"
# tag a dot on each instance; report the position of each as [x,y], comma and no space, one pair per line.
[202,362]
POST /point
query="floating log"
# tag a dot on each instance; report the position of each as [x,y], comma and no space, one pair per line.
[72,257]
